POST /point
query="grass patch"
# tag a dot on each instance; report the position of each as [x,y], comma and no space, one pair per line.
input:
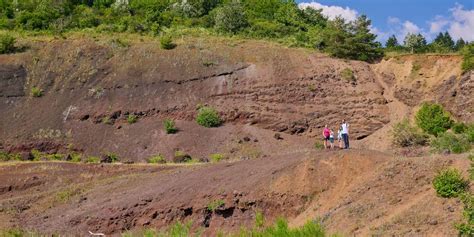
[217,157]
[318,145]
[169,126]
[453,143]
[93,159]
[348,75]
[4,156]
[166,42]
[36,92]
[157,159]
[131,119]
[404,135]
[214,205]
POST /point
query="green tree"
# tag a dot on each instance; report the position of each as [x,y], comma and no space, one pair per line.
[392,42]
[415,42]
[460,43]
[362,43]
[231,18]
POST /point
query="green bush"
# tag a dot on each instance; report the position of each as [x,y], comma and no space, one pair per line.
[169,125]
[433,119]
[404,134]
[36,92]
[131,119]
[7,44]
[470,133]
[216,157]
[208,117]
[157,159]
[230,18]
[451,142]
[468,57]
[467,228]
[449,183]
[166,42]
[459,127]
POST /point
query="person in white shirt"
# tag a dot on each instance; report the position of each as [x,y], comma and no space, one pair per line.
[345,133]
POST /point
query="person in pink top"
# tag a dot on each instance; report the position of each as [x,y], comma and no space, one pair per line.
[326,135]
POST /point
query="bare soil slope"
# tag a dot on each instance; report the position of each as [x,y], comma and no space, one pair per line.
[352,192]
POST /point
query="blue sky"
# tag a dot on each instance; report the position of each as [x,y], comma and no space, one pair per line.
[400,17]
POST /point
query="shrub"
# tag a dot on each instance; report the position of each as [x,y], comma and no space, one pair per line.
[109,158]
[4,156]
[208,117]
[459,127]
[230,18]
[36,92]
[467,228]
[348,75]
[449,183]
[181,157]
[7,44]
[404,134]
[131,119]
[451,142]
[169,126]
[92,159]
[166,42]
[157,159]
[216,157]
[470,133]
[433,119]
[212,206]
[75,157]
[468,57]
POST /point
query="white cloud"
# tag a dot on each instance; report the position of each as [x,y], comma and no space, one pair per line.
[462,25]
[332,11]
[438,24]
[393,20]
[410,27]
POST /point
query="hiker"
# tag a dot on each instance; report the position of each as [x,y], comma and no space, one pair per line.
[331,139]
[345,133]
[339,137]
[326,134]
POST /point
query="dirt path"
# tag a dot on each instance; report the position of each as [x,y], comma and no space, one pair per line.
[379,140]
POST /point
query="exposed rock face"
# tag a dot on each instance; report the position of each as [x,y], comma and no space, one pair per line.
[89,86]
[12,80]
[458,96]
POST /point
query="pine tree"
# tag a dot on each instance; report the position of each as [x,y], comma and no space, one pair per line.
[364,47]
[392,42]
[460,43]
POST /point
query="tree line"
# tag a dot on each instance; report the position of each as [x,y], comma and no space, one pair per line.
[416,43]
[281,20]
